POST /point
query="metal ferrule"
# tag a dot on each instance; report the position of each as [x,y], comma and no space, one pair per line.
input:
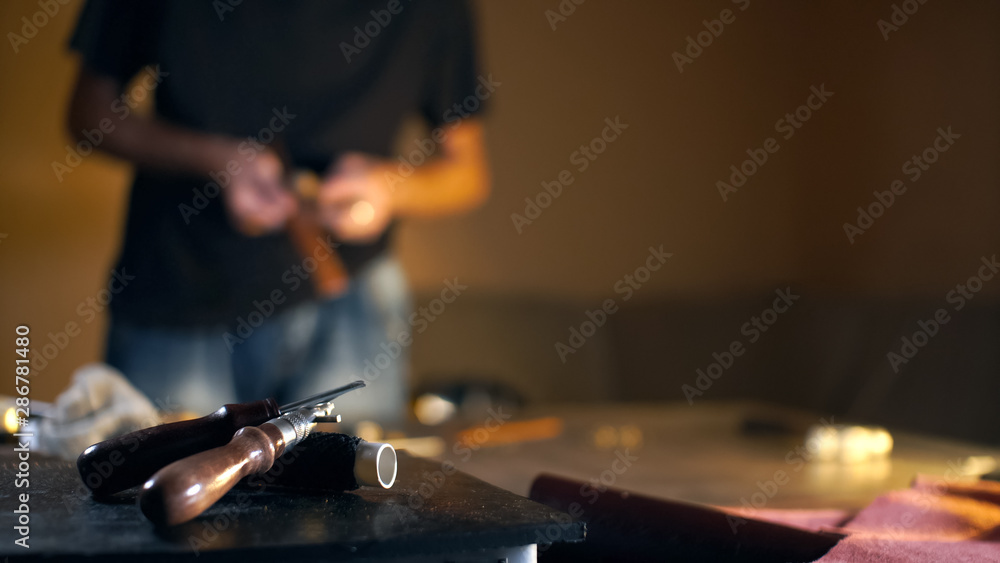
[294,426]
[287,429]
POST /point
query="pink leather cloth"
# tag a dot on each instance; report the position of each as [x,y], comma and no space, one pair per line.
[937,519]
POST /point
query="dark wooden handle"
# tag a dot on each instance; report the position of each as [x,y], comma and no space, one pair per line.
[186,488]
[126,461]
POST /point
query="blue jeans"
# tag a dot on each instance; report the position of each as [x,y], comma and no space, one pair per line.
[293,354]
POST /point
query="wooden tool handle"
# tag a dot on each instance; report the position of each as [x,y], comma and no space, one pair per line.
[330,277]
[186,488]
[126,461]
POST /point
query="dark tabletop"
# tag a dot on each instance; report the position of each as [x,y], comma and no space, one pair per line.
[426,512]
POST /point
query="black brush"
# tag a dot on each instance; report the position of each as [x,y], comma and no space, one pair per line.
[328,461]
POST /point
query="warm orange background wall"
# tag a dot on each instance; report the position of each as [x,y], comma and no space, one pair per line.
[653,186]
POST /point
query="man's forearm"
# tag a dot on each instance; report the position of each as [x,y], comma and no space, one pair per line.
[440,188]
[456,182]
[151,143]
[143,140]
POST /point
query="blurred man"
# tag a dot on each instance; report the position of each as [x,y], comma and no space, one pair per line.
[221,308]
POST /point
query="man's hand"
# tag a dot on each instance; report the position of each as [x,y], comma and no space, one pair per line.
[355,202]
[359,196]
[256,198]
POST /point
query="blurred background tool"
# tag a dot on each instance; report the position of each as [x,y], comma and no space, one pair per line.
[330,278]
[126,461]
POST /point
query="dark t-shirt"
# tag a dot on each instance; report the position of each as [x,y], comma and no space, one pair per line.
[343,74]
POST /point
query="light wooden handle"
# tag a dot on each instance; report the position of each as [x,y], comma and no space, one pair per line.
[187,487]
[330,277]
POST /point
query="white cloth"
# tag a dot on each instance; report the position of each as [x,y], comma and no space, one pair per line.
[99,404]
